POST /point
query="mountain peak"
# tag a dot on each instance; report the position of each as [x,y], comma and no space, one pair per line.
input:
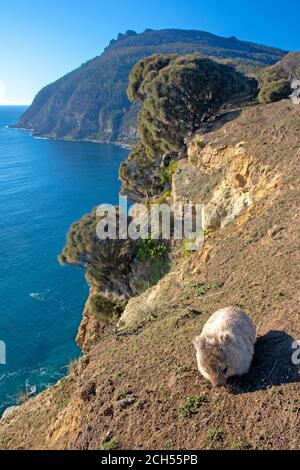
[91,102]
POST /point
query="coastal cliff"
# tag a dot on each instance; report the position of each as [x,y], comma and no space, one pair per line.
[137,385]
[90,103]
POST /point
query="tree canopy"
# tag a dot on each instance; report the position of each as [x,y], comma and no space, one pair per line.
[85,249]
[178,93]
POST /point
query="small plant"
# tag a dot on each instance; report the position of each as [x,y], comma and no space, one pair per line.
[195,426]
[240,305]
[198,142]
[202,289]
[165,176]
[215,435]
[167,194]
[72,366]
[242,445]
[149,248]
[166,173]
[191,406]
[140,287]
[181,370]
[186,247]
[150,318]
[110,445]
[294,122]
[62,393]
[163,198]
[106,310]
[169,444]
[123,393]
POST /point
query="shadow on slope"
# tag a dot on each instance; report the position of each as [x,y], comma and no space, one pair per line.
[272,364]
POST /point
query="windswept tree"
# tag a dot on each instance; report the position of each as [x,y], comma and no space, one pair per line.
[116,267]
[177,94]
[85,249]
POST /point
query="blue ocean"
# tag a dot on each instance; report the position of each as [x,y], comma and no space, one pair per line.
[45,185]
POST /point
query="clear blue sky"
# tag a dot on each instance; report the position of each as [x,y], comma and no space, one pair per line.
[41,40]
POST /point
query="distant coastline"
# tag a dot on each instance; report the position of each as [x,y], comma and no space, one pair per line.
[44,188]
[66,139]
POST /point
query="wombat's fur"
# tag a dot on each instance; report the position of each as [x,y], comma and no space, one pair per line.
[225,346]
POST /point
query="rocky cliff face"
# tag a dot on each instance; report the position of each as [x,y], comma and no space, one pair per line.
[91,102]
[133,386]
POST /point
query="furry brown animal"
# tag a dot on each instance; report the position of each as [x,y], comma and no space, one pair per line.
[226,345]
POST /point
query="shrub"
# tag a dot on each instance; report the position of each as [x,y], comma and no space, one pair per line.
[214,434]
[110,445]
[275,81]
[85,249]
[202,289]
[167,173]
[72,365]
[104,308]
[198,142]
[242,445]
[274,91]
[149,248]
[191,405]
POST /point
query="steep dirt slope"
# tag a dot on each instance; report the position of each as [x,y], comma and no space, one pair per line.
[141,388]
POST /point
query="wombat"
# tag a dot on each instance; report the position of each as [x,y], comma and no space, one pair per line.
[225,346]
